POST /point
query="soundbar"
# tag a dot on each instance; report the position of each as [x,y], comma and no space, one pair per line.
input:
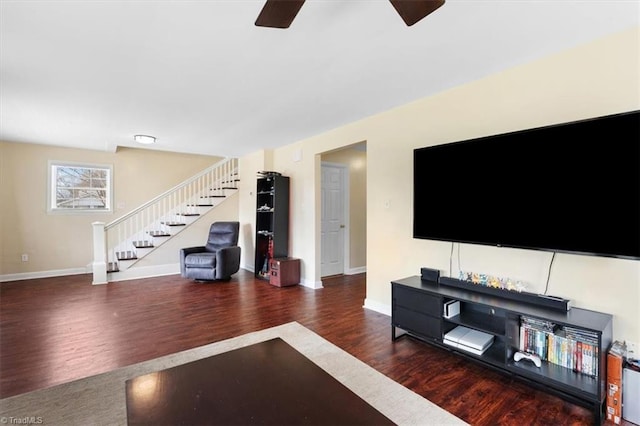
[541,300]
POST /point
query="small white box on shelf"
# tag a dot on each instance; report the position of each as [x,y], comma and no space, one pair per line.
[451,308]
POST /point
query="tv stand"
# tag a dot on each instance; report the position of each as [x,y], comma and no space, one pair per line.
[577,373]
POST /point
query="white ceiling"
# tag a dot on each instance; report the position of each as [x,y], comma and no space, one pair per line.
[203,79]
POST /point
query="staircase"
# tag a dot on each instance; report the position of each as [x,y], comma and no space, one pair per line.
[121,244]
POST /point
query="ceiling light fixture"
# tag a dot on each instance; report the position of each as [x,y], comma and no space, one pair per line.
[144,139]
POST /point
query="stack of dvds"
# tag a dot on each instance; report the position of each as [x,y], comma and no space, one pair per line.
[534,336]
[569,347]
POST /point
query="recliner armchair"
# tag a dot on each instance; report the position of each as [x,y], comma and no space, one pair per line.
[218,259]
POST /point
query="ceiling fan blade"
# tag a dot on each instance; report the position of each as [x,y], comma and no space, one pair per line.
[278,13]
[411,11]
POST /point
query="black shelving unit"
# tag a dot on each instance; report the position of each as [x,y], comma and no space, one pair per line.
[272,222]
[418,310]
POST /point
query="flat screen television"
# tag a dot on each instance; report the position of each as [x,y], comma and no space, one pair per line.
[572,188]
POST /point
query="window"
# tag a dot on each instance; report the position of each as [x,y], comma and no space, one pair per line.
[79,187]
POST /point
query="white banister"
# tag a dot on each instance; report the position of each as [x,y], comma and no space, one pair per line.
[171,191]
[99,265]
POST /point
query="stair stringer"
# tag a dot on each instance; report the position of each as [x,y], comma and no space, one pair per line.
[165,258]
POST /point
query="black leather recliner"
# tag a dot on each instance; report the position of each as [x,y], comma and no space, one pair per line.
[218,259]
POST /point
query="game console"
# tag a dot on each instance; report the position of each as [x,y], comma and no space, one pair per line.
[451,308]
[531,357]
[469,340]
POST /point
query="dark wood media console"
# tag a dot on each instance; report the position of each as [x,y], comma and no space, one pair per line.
[417,308]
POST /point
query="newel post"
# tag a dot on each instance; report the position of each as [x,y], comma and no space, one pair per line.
[99,254]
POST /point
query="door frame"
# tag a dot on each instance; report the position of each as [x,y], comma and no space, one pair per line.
[346,265]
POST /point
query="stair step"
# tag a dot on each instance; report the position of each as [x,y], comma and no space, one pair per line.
[126,255]
[133,251]
[143,244]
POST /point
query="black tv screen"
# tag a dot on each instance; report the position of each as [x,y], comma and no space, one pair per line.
[572,188]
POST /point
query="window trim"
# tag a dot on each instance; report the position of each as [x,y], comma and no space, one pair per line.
[51,188]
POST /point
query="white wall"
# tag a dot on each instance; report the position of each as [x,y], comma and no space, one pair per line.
[588,81]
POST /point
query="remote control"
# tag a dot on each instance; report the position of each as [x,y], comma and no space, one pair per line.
[531,357]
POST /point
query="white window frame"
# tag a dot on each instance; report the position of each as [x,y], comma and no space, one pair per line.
[52,186]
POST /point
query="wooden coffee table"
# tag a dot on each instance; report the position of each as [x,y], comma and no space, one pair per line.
[268,383]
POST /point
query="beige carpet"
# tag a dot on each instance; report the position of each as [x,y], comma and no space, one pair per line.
[100,399]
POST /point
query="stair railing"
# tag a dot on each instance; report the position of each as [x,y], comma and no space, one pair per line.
[169,207]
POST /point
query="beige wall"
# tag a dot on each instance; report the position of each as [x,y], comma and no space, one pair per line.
[356,161]
[64,241]
[592,80]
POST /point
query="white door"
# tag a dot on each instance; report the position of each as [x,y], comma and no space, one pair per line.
[333,224]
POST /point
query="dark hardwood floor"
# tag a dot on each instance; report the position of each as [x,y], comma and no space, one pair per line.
[56,330]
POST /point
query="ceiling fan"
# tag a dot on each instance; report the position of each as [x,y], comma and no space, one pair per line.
[281,13]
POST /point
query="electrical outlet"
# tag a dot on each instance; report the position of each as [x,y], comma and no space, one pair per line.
[25,257]
[632,350]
